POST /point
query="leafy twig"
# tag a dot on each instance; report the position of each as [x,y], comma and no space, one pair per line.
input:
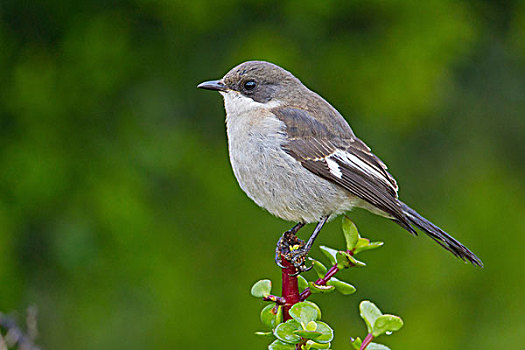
[295,324]
[368,339]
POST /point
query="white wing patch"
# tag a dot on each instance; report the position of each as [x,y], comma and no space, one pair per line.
[334,168]
[340,159]
[355,162]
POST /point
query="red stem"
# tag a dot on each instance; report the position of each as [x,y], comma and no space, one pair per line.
[291,294]
[275,299]
[300,345]
[290,290]
[368,339]
[321,281]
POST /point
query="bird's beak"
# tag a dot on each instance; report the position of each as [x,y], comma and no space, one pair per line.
[213,85]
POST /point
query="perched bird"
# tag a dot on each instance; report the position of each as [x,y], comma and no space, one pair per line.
[297,157]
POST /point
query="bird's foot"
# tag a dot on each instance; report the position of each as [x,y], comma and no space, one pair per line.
[297,257]
[292,249]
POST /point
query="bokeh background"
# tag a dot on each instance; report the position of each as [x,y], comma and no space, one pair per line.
[121,220]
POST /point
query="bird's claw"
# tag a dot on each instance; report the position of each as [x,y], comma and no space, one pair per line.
[301,268]
[281,246]
[278,259]
[292,249]
[298,258]
[296,254]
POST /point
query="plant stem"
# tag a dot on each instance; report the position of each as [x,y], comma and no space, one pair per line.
[275,299]
[368,339]
[300,345]
[321,281]
[290,289]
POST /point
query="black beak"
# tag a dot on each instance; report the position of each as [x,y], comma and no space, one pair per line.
[213,85]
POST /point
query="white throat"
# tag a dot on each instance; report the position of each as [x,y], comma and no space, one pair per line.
[235,103]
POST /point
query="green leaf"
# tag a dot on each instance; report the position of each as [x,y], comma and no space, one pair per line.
[330,253]
[327,334]
[269,315]
[319,268]
[303,313]
[345,260]
[302,282]
[279,315]
[350,232]
[279,345]
[262,288]
[356,343]
[369,312]
[314,345]
[308,334]
[311,326]
[369,246]
[376,346]
[265,334]
[285,332]
[342,287]
[387,324]
[318,288]
[314,305]
[362,242]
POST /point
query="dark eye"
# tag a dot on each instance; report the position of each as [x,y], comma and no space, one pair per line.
[250,85]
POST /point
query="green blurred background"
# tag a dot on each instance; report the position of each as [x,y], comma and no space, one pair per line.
[120,218]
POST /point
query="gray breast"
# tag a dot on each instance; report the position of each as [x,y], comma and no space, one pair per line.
[272,178]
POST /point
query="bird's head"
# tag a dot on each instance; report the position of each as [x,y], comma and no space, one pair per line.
[260,82]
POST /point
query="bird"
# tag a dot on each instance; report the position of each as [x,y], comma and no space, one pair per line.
[297,157]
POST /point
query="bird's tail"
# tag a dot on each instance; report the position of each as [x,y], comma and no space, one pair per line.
[441,237]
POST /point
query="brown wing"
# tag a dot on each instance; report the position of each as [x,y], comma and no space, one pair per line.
[346,161]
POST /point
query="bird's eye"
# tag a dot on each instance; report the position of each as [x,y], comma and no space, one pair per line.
[250,85]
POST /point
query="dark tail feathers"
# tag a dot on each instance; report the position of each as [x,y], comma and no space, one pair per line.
[441,237]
